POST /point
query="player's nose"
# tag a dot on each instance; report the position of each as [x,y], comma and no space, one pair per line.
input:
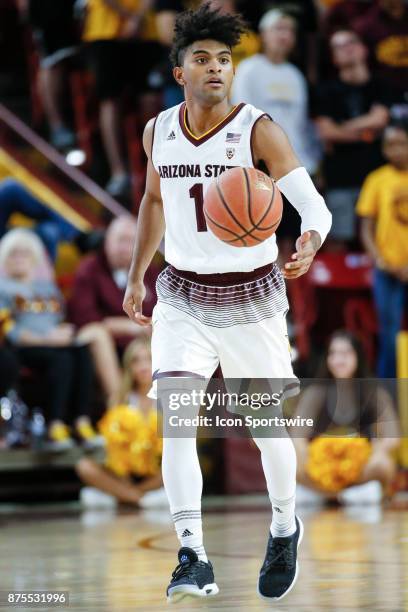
[213,66]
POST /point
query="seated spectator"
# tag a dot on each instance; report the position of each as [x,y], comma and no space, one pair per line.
[42,340]
[97,296]
[270,82]
[99,287]
[50,226]
[383,206]
[56,39]
[384,29]
[350,115]
[346,410]
[119,37]
[140,486]
[305,53]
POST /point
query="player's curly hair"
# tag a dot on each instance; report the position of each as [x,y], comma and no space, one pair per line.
[205,23]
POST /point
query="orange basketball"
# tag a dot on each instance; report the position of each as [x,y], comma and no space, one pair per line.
[243,207]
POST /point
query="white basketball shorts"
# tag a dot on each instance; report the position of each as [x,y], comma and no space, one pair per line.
[236,320]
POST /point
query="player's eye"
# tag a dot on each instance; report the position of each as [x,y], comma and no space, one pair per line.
[201,60]
[224,60]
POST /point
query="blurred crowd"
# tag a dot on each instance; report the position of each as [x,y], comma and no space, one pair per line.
[333,73]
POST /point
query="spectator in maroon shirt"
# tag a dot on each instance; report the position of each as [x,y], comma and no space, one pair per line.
[384,29]
[99,288]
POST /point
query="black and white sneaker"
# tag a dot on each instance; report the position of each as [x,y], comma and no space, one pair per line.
[191,577]
[280,569]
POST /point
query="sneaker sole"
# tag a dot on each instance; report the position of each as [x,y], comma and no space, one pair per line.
[296,572]
[189,590]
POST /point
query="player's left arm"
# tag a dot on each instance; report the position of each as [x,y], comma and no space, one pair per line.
[271,145]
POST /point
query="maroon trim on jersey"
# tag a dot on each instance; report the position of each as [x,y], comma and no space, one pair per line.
[200,139]
[154,127]
[252,136]
[223,279]
[175,374]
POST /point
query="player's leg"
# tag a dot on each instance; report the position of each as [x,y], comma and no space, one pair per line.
[181,347]
[261,351]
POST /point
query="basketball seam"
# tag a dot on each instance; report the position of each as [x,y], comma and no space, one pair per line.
[237,236]
[248,188]
[256,225]
[269,208]
[231,213]
[259,229]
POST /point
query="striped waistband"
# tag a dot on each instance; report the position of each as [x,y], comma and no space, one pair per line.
[225,278]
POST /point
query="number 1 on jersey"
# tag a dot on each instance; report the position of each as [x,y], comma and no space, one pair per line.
[197,193]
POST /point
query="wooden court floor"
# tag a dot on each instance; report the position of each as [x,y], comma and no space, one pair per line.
[351,559]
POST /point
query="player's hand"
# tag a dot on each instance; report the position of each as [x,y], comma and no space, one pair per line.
[132,303]
[302,259]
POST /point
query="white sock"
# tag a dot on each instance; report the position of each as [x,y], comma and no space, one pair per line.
[183,482]
[278,458]
[283,517]
[188,524]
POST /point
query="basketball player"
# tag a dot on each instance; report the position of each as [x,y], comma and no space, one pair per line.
[187,147]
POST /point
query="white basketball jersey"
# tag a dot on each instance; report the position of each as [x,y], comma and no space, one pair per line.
[186,166]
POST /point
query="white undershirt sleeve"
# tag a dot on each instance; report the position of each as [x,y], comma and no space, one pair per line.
[298,188]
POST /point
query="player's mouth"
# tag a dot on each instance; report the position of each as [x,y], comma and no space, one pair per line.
[214,82]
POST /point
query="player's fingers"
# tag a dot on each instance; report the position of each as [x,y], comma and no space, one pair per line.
[142,320]
[128,308]
[305,261]
[306,252]
[295,273]
[293,265]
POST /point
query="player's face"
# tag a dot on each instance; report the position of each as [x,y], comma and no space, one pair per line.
[207,72]
[341,358]
[395,147]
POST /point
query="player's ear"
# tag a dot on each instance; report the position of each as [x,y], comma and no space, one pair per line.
[178,75]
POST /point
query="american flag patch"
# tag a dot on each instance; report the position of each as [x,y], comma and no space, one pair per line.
[233,138]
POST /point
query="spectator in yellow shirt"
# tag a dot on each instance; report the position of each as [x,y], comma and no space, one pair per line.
[383,206]
[121,51]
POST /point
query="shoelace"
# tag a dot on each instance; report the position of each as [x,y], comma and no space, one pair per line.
[283,556]
[184,569]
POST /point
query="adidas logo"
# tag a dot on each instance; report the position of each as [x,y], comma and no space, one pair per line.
[171,136]
[186,533]
[183,558]
[277,509]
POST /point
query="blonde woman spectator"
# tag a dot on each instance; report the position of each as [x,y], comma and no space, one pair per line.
[42,338]
[106,485]
[38,332]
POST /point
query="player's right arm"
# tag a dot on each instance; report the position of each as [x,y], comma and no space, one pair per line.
[150,232]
